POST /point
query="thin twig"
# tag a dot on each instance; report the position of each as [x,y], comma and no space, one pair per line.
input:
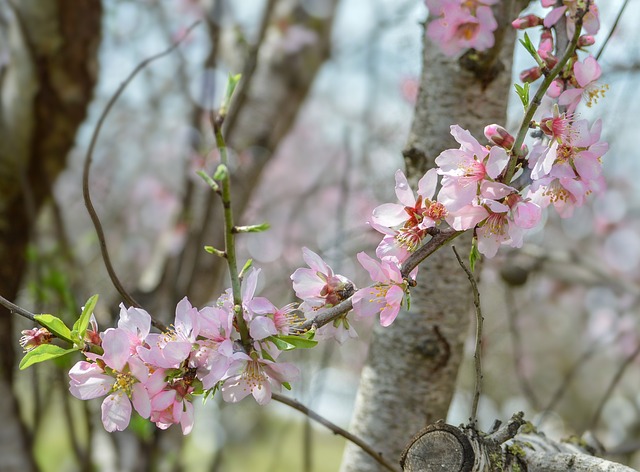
[568,377]
[477,355]
[614,382]
[336,429]
[613,29]
[17,310]
[512,316]
[87,165]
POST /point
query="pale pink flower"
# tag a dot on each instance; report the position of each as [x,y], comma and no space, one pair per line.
[211,356]
[258,377]
[464,169]
[586,73]
[117,374]
[318,286]
[385,297]
[461,29]
[339,329]
[405,225]
[171,401]
[268,320]
[591,21]
[171,348]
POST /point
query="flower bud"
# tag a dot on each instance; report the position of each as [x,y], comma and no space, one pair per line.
[32,338]
[499,136]
[586,40]
[548,3]
[530,75]
[527,21]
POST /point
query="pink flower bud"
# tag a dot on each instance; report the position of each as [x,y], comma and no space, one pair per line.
[586,40]
[527,21]
[499,136]
[530,75]
[548,3]
[32,338]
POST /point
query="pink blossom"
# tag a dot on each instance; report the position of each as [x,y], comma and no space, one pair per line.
[586,73]
[318,286]
[461,29]
[413,216]
[31,338]
[340,330]
[268,320]
[464,169]
[212,354]
[116,373]
[258,377]
[171,400]
[171,348]
[385,297]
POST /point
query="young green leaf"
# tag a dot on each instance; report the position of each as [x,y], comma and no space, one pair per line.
[80,326]
[56,326]
[214,251]
[212,183]
[252,228]
[297,341]
[474,255]
[42,353]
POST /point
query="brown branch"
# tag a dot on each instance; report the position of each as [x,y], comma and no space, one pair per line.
[87,165]
[613,29]
[336,429]
[17,310]
[477,355]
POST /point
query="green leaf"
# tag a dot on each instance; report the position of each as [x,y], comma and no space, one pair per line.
[80,326]
[232,82]
[528,45]
[523,93]
[212,183]
[252,228]
[280,344]
[221,172]
[474,255]
[299,342]
[286,385]
[42,353]
[245,268]
[56,326]
[213,250]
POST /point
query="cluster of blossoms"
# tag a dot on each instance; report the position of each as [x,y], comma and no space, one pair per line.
[233,346]
[159,374]
[459,25]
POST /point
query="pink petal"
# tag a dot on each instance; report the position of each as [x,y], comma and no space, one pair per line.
[428,183]
[262,327]
[315,261]
[116,412]
[373,267]
[115,342]
[141,401]
[403,191]
[553,16]
[390,214]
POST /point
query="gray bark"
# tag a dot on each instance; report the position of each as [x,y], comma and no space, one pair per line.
[410,375]
[45,87]
[444,447]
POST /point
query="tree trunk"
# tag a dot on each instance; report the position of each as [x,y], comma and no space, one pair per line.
[410,374]
[46,88]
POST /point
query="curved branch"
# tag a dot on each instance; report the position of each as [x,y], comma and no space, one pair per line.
[87,165]
[336,429]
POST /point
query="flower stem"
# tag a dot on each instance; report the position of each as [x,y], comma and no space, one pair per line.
[229,236]
[537,99]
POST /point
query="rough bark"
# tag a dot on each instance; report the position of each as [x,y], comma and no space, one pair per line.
[45,88]
[444,447]
[410,374]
